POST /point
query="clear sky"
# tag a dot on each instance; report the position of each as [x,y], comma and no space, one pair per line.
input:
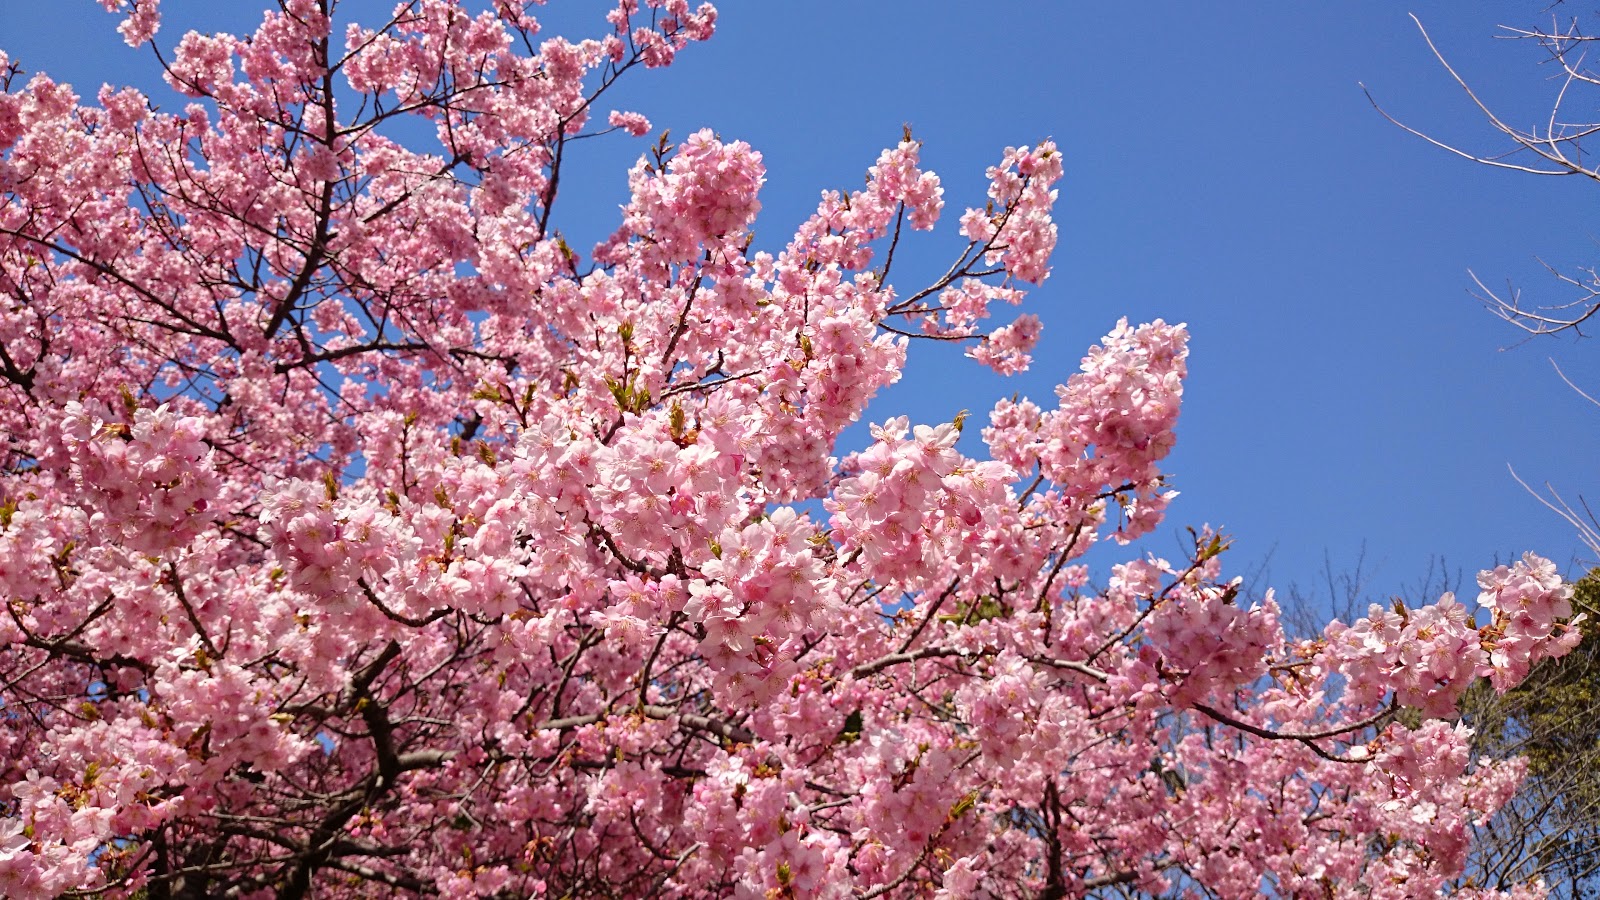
[1223,169]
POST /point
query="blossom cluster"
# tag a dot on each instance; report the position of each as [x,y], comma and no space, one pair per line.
[151,480]
[1021,236]
[1530,618]
[1431,654]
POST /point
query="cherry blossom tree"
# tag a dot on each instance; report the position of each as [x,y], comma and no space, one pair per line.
[359,537]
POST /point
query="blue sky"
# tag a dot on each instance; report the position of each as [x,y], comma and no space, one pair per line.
[1223,169]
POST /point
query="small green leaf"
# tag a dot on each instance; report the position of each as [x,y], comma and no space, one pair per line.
[964,805]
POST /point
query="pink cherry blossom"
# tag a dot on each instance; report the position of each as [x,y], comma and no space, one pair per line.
[359,536]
